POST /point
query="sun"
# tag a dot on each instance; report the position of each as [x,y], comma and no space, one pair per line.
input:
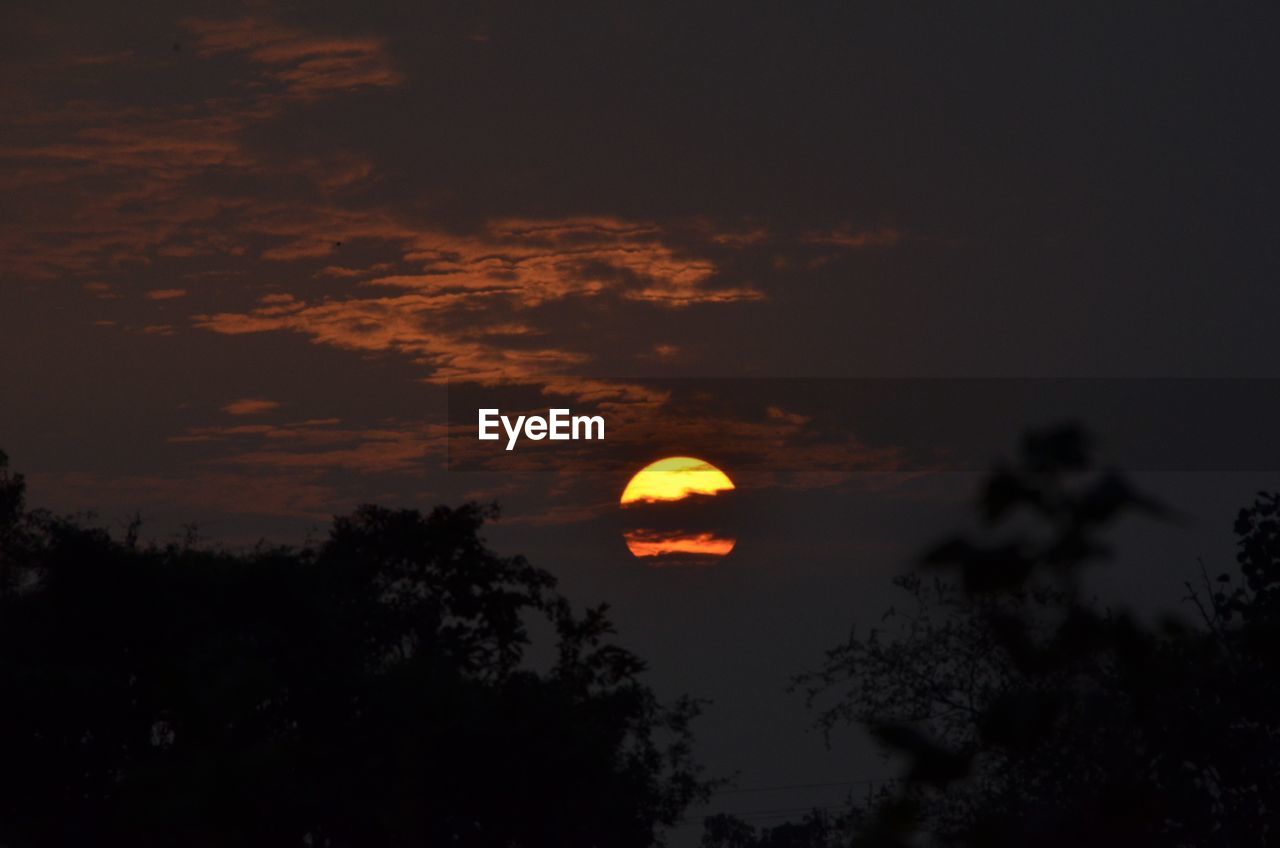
[675,478]
[679,501]
[647,543]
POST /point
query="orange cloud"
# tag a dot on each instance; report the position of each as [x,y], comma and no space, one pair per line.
[103,291]
[250,406]
[174,189]
[777,413]
[451,316]
[306,64]
[416,325]
[105,185]
[666,351]
[526,262]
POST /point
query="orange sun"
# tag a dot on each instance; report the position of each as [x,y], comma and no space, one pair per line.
[674,479]
[666,482]
[646,543]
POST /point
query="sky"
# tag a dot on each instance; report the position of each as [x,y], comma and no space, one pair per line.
[244,249]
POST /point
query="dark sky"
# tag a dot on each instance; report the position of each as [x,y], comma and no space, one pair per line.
[242,248]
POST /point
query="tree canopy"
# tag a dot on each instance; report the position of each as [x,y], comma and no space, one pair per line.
[1026,713]
[379,689]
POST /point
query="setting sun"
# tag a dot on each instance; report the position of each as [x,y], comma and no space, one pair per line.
[675,478]
[650,544]
[676,499]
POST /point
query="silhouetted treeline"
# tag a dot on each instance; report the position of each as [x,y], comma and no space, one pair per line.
[371,691]
[1030,715]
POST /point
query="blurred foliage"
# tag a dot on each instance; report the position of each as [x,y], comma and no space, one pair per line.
[1028,714]
[375,690]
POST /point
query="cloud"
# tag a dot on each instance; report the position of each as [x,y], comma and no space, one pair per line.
[250,406]
[111,185]
[120,193]
[535,261]
[666,352]
[527,262]
[415,325]
[856,239]
[351,273]
[139,194]
[325,445]
[305,64]
[453,313]
[777,413]
[103,291]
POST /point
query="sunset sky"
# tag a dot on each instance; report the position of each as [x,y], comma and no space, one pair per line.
[244,247]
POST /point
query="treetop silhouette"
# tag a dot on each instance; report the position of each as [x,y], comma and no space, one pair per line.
[375,690]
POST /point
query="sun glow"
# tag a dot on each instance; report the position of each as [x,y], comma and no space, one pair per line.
[675,478]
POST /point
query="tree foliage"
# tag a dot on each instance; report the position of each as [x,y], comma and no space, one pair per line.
[376,690]
[815,830]
[1027,714]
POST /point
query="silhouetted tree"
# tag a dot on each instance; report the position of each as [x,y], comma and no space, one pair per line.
[1029,715]
[816,830]
[375,691]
